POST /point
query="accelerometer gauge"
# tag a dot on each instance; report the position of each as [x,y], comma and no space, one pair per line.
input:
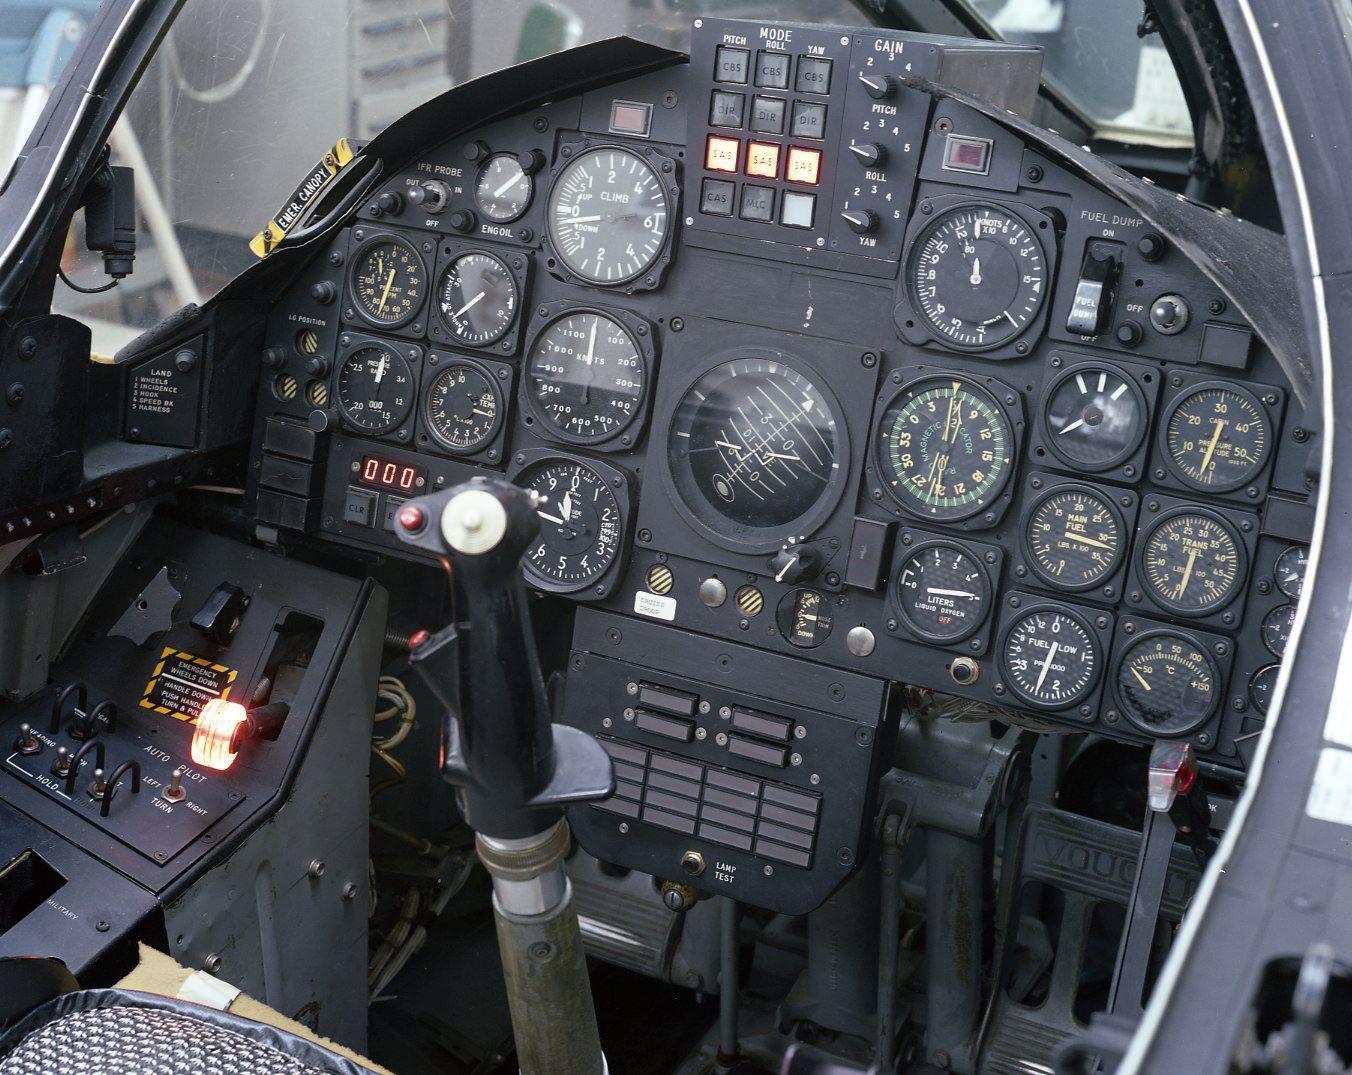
[1095,418]
[945,448]
[758,453]
[1167,684]
[387,281]
[580,525]
[375,389]
[1192,563]
[1277,626]
[977,276]
[463,407]
[1075,538]
[503,189]
[804,618]
[477,299]
[1290,571]
[1262,686]
[942,592]
[586,378]
[1050,658]
[608,216]
[1217,438]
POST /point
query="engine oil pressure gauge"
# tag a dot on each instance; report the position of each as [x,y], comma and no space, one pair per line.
[503,190]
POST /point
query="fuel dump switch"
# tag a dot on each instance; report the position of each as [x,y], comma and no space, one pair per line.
[1095,291]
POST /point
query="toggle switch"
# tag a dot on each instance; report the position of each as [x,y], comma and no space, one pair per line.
[1096,290]
[175,792]
[27,743]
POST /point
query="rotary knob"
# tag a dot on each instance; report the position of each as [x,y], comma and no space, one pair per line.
[870,154]
[794,564]
[879,87]
[861,221]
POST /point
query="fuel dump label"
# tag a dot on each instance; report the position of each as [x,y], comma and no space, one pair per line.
[182,684]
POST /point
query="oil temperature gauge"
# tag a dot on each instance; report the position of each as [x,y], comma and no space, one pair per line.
[1167,684]
[804,618]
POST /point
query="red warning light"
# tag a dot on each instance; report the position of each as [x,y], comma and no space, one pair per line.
[213,738]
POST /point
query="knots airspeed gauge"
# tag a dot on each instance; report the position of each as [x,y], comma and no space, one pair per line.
[587,377]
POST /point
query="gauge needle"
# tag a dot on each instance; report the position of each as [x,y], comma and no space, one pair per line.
[469,305]
[1073,425]
[506,186]
[730,447]
[1211,446]
[785,569]
[567,506]
[780,455]
[1041,676]
[583,219]
[1085,539]
[1187,573]
[950,593]
[385,295]
[549,518]
[1140,679]
[381,367]
[486,414]
[975,279]
[937,472]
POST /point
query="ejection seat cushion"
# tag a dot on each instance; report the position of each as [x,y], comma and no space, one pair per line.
[119,1032]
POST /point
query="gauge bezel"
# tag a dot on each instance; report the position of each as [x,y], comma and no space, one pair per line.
[1006,402]
[644,336]
[1174,475]
[1138,638]
[1273,668]
[478,178]
[1040,487]
[1148,527]
[363,240]
[1018,608]
[1289,609]
[1295,547]
[351,342]
[1048,437]
[664,167]
[972,641]
[619,482]
[790,598]
[498,375]
[916,328]
[518,268]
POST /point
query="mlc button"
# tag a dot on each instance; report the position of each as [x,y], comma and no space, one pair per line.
[668,700]
[758,203]
[767,727]
[682,730]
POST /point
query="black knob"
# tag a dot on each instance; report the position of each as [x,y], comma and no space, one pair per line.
[324,292]
[1129,333]
[391,202]
[317,366]
[794,564]
[476,151]
[870,154]
[531,161]
[879,87]
[1150,247]
[273,357]
[185,361]
[861,221]
[463,220]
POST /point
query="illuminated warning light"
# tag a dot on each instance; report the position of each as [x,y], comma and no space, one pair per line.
[804,165]
[762,159]
[213,738]
[721,154]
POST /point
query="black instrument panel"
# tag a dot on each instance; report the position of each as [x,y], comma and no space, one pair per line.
[800,359]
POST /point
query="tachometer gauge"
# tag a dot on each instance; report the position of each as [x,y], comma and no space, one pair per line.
[1075,537]
[943,593]
[477,299]
[1095,417]
[387,281]
[1290,571]
[1262,686]
[978,276]
[503,189]
[1277,626]
[586,378]
[463,407]
[1192,562]
[758,453]
[804,618]
[1050,658]
[944,448]
[580,525]
[1216,437]
[1167,684]
[608,216]
[375,389]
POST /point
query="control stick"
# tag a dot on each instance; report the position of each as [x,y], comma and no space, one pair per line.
[513,768]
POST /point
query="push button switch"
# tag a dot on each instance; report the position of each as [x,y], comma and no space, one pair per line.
[779,729]
[680,730]
[667,700]
[755,751]
[716,197]
[360,507]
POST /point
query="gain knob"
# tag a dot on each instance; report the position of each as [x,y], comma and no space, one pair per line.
[879,87]
[870,154]
[861,221]
[391,202]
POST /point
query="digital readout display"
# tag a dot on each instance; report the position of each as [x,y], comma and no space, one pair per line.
[389,474]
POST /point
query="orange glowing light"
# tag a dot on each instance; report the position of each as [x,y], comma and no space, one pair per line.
[721,154]
[215,732]
[804,165]
[762,159]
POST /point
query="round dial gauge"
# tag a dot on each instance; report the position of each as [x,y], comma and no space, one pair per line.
[608,216]
[1290,571]
[945,448]
[1262,686]
[1192,563]
[978,276]
[804,618]
[1216,437]
[1074,537]
[387,281]
[1167,684]
[1095,417]
[463,407]
[580,525]
[1277,626]
[375,389]
[477,299]
[943,593]
[586,378]
[503,189]
[756,450]
[1050,658]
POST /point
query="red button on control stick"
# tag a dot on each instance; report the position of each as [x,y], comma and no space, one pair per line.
[412,518]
